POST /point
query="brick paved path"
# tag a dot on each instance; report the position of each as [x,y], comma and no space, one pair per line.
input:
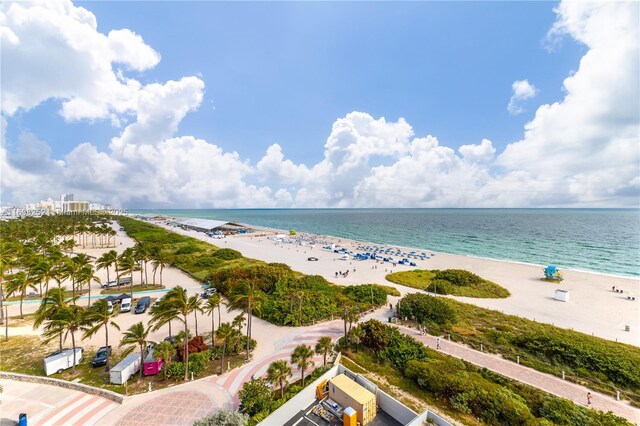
[547,382]
[182,404]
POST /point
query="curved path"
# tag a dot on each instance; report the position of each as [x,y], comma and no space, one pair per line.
[182,404]
[546,382]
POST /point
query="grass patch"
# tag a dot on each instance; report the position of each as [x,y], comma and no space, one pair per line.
[456,282]
[391,291]
[138,287]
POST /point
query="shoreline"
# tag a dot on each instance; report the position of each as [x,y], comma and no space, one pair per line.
[593,307]
[407,248]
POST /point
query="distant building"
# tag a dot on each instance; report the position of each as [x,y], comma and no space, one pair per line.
[211,226]
[66,197]
[75,207]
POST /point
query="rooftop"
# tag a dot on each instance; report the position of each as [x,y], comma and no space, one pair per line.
[202,223]
[307,418]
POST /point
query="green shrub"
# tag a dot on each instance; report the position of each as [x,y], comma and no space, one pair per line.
[198,362]
[223,418]
[227,254]
[424,308]
[255,397]
[367,293]
[175,371]
[188,249]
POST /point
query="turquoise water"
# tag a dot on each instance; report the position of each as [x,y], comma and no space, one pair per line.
[598,240]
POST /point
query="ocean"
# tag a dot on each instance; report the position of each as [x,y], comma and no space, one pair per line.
[598,240]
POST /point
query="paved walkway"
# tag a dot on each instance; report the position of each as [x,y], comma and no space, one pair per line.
[546,382]
[182,404]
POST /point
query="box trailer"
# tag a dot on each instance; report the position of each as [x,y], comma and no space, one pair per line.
[61,360]
[348,393]
[125,369]
[151,366]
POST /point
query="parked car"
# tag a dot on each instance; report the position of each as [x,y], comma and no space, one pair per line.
[125,305]
[142,305]
[171,339]
[208,293]
[312,259]
[100,358]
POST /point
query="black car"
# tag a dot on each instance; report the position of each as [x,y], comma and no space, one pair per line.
[142,305]
[100,358]
[312,259]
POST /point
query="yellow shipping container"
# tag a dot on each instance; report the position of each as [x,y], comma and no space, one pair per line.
[348,393]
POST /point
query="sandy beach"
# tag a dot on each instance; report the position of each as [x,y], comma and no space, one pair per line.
[593,307]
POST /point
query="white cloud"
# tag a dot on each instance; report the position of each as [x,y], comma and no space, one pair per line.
[522,90]
[583,150]
[52,49]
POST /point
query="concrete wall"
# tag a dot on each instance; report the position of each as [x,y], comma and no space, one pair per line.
[422,418]
[302,400]
[116,397]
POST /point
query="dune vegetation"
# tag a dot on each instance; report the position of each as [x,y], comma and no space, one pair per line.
[456,282]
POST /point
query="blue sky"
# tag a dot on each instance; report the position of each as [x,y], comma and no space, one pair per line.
[285,73]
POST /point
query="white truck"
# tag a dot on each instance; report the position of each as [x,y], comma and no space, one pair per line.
[125,305]
[61,360]
[126,368]
[116,283]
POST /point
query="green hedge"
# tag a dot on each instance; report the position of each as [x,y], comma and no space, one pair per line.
[457,282]
[424,308]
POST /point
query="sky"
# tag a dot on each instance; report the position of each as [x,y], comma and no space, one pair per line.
[321,104]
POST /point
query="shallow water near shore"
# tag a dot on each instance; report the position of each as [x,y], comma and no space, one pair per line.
[596,240]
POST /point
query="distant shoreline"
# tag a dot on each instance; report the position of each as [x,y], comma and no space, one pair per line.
[407,248]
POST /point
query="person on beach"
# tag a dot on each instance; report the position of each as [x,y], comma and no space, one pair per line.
[438,344]
[589,396]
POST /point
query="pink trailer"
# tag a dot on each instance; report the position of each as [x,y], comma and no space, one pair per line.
[151,366]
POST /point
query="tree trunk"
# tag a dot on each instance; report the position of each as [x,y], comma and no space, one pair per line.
[281,389]
[186,349]
[131,285]
[106,333]
[224,349]
[21,298]
[195,316]
[73,348]
[213,330]
[248,328]
[141,360]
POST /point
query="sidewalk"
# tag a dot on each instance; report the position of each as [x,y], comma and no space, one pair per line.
[546,382]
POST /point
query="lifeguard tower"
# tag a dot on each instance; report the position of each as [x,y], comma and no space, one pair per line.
[552,273]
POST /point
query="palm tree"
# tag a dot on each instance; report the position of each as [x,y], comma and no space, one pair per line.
[106,260]
[53,301]
[45,271]
[301,356]
[161,260]
[127,265]
[278,372]
[141,255]
[178,306]
[85,276]
[247,297]
[324,348]
[357,334]
[165,351]
[225,333]
[67,320]
[98,316]
[209,307]
[7,260]
[19,283]
[196,303]
[138,335]
[349,315]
